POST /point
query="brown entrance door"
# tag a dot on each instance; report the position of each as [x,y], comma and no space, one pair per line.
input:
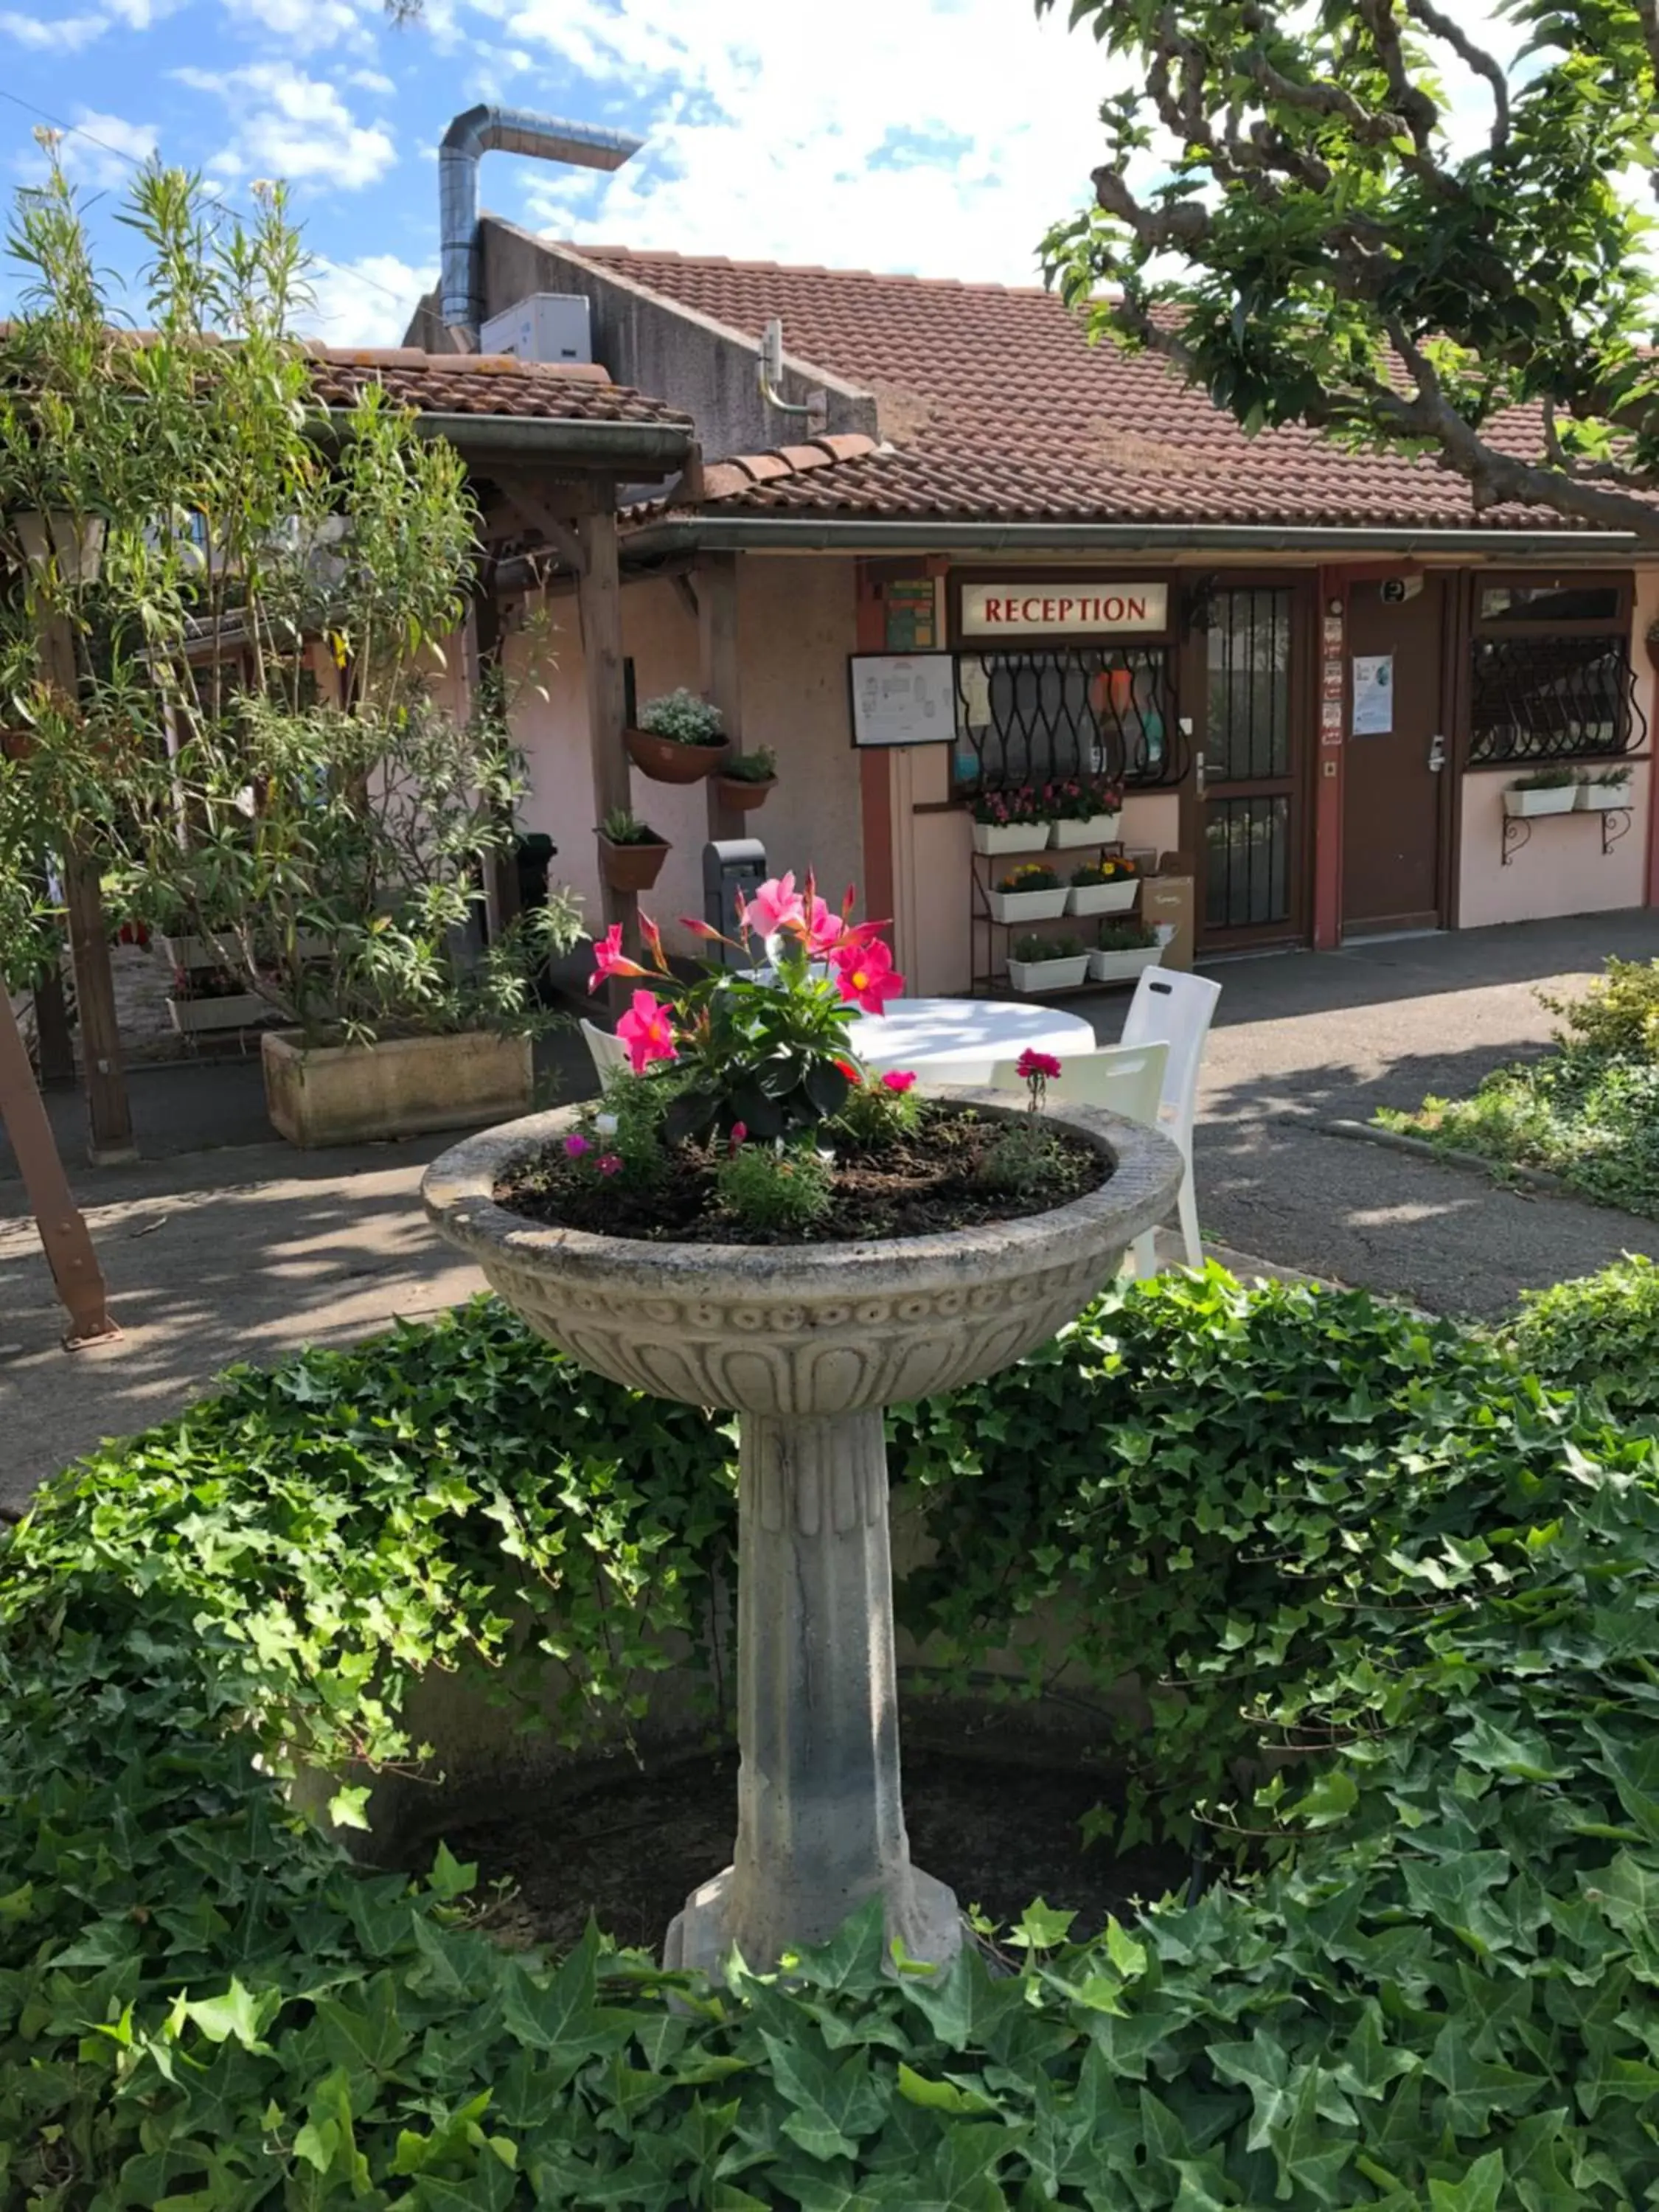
[1248,790]
[1393,871]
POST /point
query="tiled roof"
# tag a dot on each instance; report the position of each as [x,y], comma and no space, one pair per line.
[999,406]
[482,384]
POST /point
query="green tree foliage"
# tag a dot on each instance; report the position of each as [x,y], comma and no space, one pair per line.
[1374,1556]
[222,610]
[1371,217]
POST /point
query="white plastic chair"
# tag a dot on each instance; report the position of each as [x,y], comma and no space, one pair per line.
[1179,1009]
[1127,1079]
[605,1052]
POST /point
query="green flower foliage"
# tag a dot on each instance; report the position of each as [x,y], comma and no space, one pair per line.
[1372,1558]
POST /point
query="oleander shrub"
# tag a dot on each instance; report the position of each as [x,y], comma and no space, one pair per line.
[1394,1605]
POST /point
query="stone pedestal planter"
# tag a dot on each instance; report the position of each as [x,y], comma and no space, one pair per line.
[808,1343]
[350,1094]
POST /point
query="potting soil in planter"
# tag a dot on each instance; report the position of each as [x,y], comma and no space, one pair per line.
[919,1185]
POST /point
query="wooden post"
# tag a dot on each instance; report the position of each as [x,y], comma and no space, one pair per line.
[598,602]
[501,872]
[103,1072]
[717,624]
[69,1249]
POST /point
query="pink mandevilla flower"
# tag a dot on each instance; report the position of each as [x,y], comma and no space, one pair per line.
[777,905]
[609,959]
[648,1034]
[575,1145]
[897,1078]
[824,928]
[608,1163]
[864,974]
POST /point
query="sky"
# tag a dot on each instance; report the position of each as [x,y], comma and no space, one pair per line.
[939,136]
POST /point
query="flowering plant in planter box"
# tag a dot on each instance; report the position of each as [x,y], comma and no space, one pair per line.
[1109,869]
[765,1054]
[1081,798]
[1034,876]
[1010,806]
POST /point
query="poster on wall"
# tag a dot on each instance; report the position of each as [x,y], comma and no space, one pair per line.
[903,698]
[1373,695]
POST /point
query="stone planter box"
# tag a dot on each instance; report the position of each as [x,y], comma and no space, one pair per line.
[1029,906]
[350,1094]
[1104,898]
[1601,797]
[1011,837]
[240,1010]
[1562,801]
[1063,975]
[1099,830]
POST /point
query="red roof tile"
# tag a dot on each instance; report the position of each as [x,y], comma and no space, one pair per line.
[1000,406]
[482,384]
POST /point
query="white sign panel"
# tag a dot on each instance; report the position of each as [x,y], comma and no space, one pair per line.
[1373,695]
[1015,611]
[903,698]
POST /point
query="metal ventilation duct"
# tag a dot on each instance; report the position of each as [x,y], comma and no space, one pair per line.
[485,130]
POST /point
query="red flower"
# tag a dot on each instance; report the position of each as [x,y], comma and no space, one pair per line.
[652,938]
[609,1163]
[864,974]
[897,1078]
[848,1070]
[1036,1067]
[609,959]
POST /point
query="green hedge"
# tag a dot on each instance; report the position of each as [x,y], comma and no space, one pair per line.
[1376,1549]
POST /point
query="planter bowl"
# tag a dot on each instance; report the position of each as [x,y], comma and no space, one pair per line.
[350,1094]
[1010,836]
[1099,830]
[666,760]
[1062,975]
[741,795]
[1104,898]
[1562,799]
[1601,797]
[632,867]
[1029,906]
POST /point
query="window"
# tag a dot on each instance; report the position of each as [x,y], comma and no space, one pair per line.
[1550,677]
[1036,717]
[1248,735]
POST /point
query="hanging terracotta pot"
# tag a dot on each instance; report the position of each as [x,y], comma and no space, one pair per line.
[666,760]
[632,867]
[742,794]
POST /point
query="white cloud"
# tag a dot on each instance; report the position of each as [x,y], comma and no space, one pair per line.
[307,28]
[65,34]
[366,302]
[294,126]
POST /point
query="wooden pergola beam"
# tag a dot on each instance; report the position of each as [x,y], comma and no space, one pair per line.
[717,599]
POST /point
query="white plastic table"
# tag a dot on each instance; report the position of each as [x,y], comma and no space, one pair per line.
[960,1040]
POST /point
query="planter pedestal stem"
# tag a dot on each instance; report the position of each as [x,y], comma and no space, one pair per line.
[820,1820]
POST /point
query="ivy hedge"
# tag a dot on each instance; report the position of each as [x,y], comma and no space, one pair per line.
[1371,1569]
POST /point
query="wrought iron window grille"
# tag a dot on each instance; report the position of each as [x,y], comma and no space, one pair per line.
[1044,716]
[1552,698]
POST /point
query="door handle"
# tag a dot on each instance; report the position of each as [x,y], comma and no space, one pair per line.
[1198,771]
[1436,754]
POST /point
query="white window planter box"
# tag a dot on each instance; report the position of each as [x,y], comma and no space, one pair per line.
[1104,898]
[1029,906]
[1011,837]
[1063,975]
[1561,801]
[1123,967]
[1099,830]
[1601,797]
[239,1011]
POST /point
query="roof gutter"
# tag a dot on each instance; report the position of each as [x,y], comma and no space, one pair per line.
[630,448]
[853,534]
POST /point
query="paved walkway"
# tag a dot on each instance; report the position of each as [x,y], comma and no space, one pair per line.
[251,1249]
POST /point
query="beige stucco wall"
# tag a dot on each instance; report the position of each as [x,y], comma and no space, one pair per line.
[795,628]
[1561,868]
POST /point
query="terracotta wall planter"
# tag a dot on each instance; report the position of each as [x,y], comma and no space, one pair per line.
[666,761]
[350,1094]
[743,798]
[632,867]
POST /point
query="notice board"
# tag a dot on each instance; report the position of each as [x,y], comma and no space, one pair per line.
[903,698]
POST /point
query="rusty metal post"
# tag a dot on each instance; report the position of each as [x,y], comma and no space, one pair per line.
[68,1248]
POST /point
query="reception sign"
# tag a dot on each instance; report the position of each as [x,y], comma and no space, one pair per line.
[1062,611]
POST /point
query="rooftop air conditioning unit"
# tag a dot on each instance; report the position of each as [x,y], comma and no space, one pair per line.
[548,326]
